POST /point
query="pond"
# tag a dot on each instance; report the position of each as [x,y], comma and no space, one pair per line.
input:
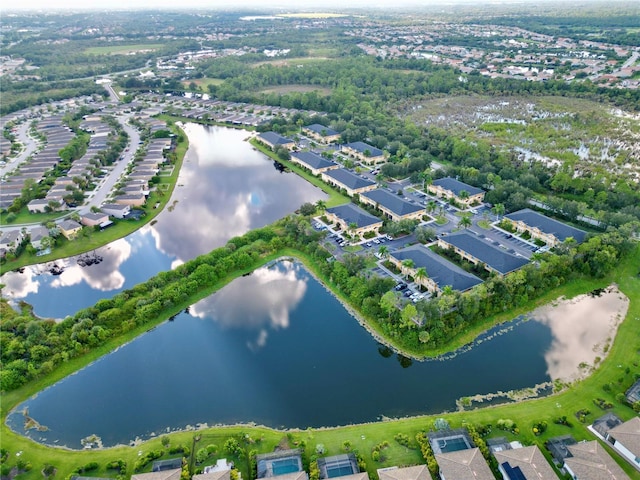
[276,348]
[225,189]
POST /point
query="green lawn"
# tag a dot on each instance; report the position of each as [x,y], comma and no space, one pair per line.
[622,354]
[90,239]
[122,49]
[24,217]
[335,197]
[204,83]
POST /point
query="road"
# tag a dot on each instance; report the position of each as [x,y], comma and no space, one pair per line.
[29,147]
[107,183]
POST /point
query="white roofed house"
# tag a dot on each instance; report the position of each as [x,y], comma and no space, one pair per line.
[10,240]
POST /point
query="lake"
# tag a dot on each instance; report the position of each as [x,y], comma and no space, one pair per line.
[276,348]
[225,189]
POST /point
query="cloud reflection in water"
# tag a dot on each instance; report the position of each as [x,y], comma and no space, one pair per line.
[581,327]
[261,301]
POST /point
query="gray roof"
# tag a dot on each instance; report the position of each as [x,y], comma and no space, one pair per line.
[274,139]
[362,147]
[312,160]
[456,186]
[633,394]
[69,225]
[351,213]
[464,464]
[560,230]
[441,271]
[494,257]
[349,179]
[94,216]
[38,233]
[321,130]
[589,460]
[392,202]
[605,423]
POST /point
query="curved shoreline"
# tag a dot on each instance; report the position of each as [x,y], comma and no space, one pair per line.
[514,396]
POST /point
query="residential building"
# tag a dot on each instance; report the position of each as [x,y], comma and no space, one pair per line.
[69,228]
[353,219]
[590,461]
[463,465]
[550,231]
[626,440]
[349,181]
[393,206]
[92,219]
[460,192]
[10,240]
[161,475]
[116,210]
[364,153]
[439,271]
[321,134]
[417,472]
[134,200]
[478,251]
[312,162]
[37,234]
[525,462]
[273,140]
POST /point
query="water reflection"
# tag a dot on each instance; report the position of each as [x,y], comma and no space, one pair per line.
[225,189]
[105,276]
[261,301]
[581,328]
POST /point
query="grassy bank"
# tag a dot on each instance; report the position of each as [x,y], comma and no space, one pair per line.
[580,395]
[335,197]
[90,239]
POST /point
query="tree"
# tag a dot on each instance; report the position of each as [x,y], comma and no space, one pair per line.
[307,209]
[407,263]
[321,205]
[409,316]
[498,210]
[465,221]
[424,336]
[421,273]
[384,251]
[388,303]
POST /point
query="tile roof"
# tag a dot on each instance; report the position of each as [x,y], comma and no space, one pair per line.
[463,465]
[69,225]
[440,270]
[312,160]
[348,179]
[417,472]
[530,461]
[456,186]
[164,475]
[628,434]
[495,257]
[392,202]
[590,461]
[362,147]
[351,213]
[560,230]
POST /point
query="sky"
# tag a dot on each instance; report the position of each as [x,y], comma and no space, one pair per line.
[317,5]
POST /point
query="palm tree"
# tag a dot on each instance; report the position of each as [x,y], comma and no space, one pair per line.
[465,221]
[498,210]
[447,290]
[321,205]
[421,273]
[384,251]
[408,264]
[431,206]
